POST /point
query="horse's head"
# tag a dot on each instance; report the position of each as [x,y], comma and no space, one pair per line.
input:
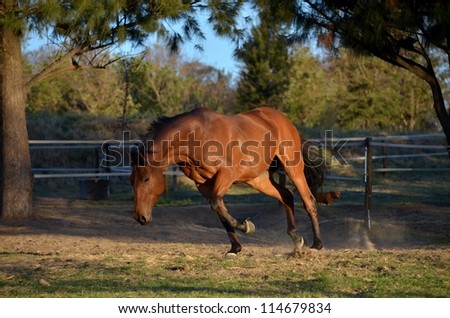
[148,184]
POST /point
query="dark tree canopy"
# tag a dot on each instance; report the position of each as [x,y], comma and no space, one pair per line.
[84,26]
[401,32]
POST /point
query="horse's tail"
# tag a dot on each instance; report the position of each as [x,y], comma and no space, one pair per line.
[314,167]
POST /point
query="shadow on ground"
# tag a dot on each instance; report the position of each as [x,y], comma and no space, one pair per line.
[394,225]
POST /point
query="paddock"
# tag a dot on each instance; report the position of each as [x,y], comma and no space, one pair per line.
[80,248]
[75,247]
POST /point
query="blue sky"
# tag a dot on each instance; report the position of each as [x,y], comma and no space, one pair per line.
[217,51]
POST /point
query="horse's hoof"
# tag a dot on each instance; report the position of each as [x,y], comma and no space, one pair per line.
[249,227]
[230,255]
[301,243]
[317,246]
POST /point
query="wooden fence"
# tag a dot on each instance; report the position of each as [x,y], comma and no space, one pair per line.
[354,151]
[369,150]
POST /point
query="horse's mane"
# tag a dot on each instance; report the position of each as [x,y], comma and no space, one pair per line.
[162,122]
[158,124]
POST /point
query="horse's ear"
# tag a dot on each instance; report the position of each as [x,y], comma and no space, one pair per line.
[132,154]
[136,156]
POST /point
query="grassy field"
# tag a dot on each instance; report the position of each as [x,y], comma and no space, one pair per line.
[182,271]
[76,248]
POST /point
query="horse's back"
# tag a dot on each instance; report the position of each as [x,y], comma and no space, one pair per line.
[252,124]
[274,121]
[263,113]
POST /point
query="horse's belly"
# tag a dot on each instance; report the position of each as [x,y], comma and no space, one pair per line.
[246,173]
[197,174]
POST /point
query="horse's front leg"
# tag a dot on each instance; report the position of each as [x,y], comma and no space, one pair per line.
[230,224]
[245,226]
[235,245]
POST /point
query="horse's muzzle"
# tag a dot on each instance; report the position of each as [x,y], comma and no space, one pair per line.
[143,220]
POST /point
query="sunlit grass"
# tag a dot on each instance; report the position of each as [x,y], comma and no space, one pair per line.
[414,273]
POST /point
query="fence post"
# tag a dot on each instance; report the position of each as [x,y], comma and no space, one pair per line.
[97,160]
[385,159]
[106,153]
[368,179]
[171,181]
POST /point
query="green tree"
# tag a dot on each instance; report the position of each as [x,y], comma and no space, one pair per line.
[350,91]
[94,91]
[163,83]
[403,33]
[155,86]
[156,82]
[264,56]
[373,95]
[78,27]
[208,87]
[309,97]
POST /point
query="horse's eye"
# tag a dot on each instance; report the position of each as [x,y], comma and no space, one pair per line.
[146,179]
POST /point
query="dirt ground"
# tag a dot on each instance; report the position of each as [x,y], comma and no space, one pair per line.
[94,227]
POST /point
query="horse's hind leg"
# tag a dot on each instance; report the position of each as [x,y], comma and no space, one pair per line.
[266,185]
[297,176]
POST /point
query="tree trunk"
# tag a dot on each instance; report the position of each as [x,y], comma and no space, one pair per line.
[15,163]
[428,74]
[439,108]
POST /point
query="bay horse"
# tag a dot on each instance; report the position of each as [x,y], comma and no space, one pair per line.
[217,151]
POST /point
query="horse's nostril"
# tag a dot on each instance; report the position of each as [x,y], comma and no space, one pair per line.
[142,220]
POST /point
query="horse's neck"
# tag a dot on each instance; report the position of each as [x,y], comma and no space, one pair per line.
[172,146]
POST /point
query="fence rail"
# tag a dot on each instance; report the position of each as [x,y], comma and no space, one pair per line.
[365,146]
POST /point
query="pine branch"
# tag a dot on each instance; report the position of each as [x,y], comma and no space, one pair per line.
[59,66]
[52,68]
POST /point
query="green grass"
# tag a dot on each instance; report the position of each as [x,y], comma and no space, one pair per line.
[415,273]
